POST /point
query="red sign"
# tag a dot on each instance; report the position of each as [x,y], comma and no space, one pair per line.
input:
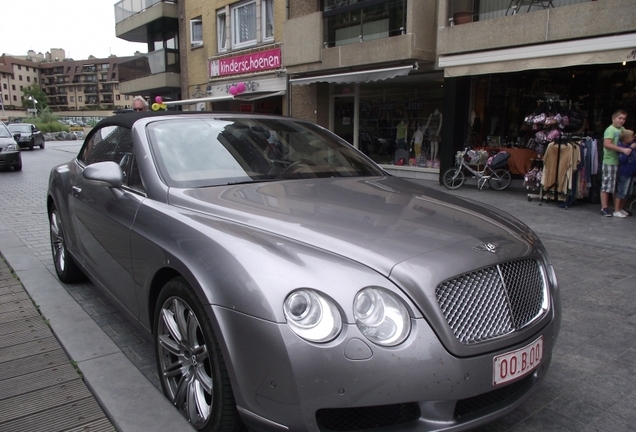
[246,108]
[255,62]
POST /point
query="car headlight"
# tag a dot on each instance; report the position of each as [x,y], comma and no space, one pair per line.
[12,147]
[312,316]
[381,316]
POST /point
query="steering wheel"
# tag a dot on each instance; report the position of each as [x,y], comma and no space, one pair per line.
[298,166]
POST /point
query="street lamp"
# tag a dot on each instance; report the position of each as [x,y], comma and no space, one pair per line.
[35,110]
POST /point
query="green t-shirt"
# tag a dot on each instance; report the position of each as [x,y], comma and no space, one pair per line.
[610,157]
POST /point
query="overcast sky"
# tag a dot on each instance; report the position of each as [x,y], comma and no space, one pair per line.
[80,27]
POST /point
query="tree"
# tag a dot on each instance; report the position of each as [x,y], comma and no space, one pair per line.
[36,93]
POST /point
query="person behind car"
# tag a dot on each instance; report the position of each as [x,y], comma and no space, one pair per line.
[139,104]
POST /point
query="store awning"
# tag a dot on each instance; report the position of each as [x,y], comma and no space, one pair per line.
[258,95]
[357,77]
[199,100]
[602,50]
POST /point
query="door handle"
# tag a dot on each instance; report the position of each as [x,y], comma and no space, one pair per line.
[76,190]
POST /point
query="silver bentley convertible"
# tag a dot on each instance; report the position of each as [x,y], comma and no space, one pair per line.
[290,284]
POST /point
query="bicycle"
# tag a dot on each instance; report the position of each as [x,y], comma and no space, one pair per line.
[498,176]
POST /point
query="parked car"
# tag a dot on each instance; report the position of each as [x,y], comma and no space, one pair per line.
[10,156]
[30,135]
[289,283]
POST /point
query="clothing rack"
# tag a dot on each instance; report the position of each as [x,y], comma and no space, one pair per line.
[564,139]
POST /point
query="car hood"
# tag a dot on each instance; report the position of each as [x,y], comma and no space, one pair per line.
[379,222]
[4,142]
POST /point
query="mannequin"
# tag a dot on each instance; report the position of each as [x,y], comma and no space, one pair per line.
[434,127]
[416,141]
[401,137]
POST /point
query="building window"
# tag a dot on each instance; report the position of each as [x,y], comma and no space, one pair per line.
[20,77]
[35,80]
[6,97]
[127,97]
[268,19]
[15,99]
[21,87]
[12,86]
[72,98]
[28,78]
[117,97]
[79,98]
[116,86]
[19,67]
[221,36]
[244,25]
[196,32]
[4,86]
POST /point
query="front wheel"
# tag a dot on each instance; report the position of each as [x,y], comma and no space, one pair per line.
[191,368]
[500,179]
[453,178]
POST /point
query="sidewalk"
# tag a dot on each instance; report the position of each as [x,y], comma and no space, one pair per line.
[39,387]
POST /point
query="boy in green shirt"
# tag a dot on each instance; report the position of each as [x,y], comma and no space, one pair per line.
[610,160]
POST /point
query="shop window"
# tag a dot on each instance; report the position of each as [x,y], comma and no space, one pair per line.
[349,21]
[196,32]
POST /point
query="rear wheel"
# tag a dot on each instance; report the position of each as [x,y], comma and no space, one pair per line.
[191,368]
[453,178]
[500,179]
[65,267]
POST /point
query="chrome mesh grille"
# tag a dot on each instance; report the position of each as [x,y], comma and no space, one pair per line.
[494,301]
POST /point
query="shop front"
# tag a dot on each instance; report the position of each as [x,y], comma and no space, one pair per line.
[395,120]
[249,82]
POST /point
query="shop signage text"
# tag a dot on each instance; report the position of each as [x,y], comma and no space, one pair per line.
[255,62]
[389,105]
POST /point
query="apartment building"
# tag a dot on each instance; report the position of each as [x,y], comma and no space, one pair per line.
[91,84]
[15,74]
[155,23]
[409,82]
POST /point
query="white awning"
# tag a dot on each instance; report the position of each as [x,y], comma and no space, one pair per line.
[601,50]
[199,100]
[258,95]
[357,77]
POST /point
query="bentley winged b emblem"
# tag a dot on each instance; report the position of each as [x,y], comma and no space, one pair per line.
[486,247]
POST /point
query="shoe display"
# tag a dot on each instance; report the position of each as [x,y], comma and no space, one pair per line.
[606,212]
[619,214]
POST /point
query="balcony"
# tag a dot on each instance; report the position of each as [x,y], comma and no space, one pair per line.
[133,16]
[516,35]
[90,90]
[157,71]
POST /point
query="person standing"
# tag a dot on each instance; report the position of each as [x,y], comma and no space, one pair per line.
[610,162]
[626,171]
[139,104]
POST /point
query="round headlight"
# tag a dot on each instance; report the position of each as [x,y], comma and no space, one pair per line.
[381,316]
[312,316]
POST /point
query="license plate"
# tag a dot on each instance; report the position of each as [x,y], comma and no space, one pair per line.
[517,363]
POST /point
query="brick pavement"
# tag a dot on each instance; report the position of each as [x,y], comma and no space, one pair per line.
[591,385]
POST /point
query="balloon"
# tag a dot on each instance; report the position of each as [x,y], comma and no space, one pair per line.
[233,90]
[240,87]
[159,100]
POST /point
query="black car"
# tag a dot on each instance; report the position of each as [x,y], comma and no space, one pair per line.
[30,135]
[9,150]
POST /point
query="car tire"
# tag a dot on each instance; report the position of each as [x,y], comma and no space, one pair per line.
[65,266]
[18,167]
[191,368]
[31,144]
[42,145]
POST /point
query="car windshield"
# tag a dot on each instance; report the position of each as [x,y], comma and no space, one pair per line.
[20,128]
[4,132]
[198,152]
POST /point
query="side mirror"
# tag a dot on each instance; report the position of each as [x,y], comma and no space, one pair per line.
[107,172]
[16,136]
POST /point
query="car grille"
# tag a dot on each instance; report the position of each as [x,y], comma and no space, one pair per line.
[493,301]
[477,403]
[366,418]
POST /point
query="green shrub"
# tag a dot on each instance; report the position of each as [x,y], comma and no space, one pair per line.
[51,127]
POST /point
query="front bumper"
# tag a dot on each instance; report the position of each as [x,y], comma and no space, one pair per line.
[281,382]
[10,159]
